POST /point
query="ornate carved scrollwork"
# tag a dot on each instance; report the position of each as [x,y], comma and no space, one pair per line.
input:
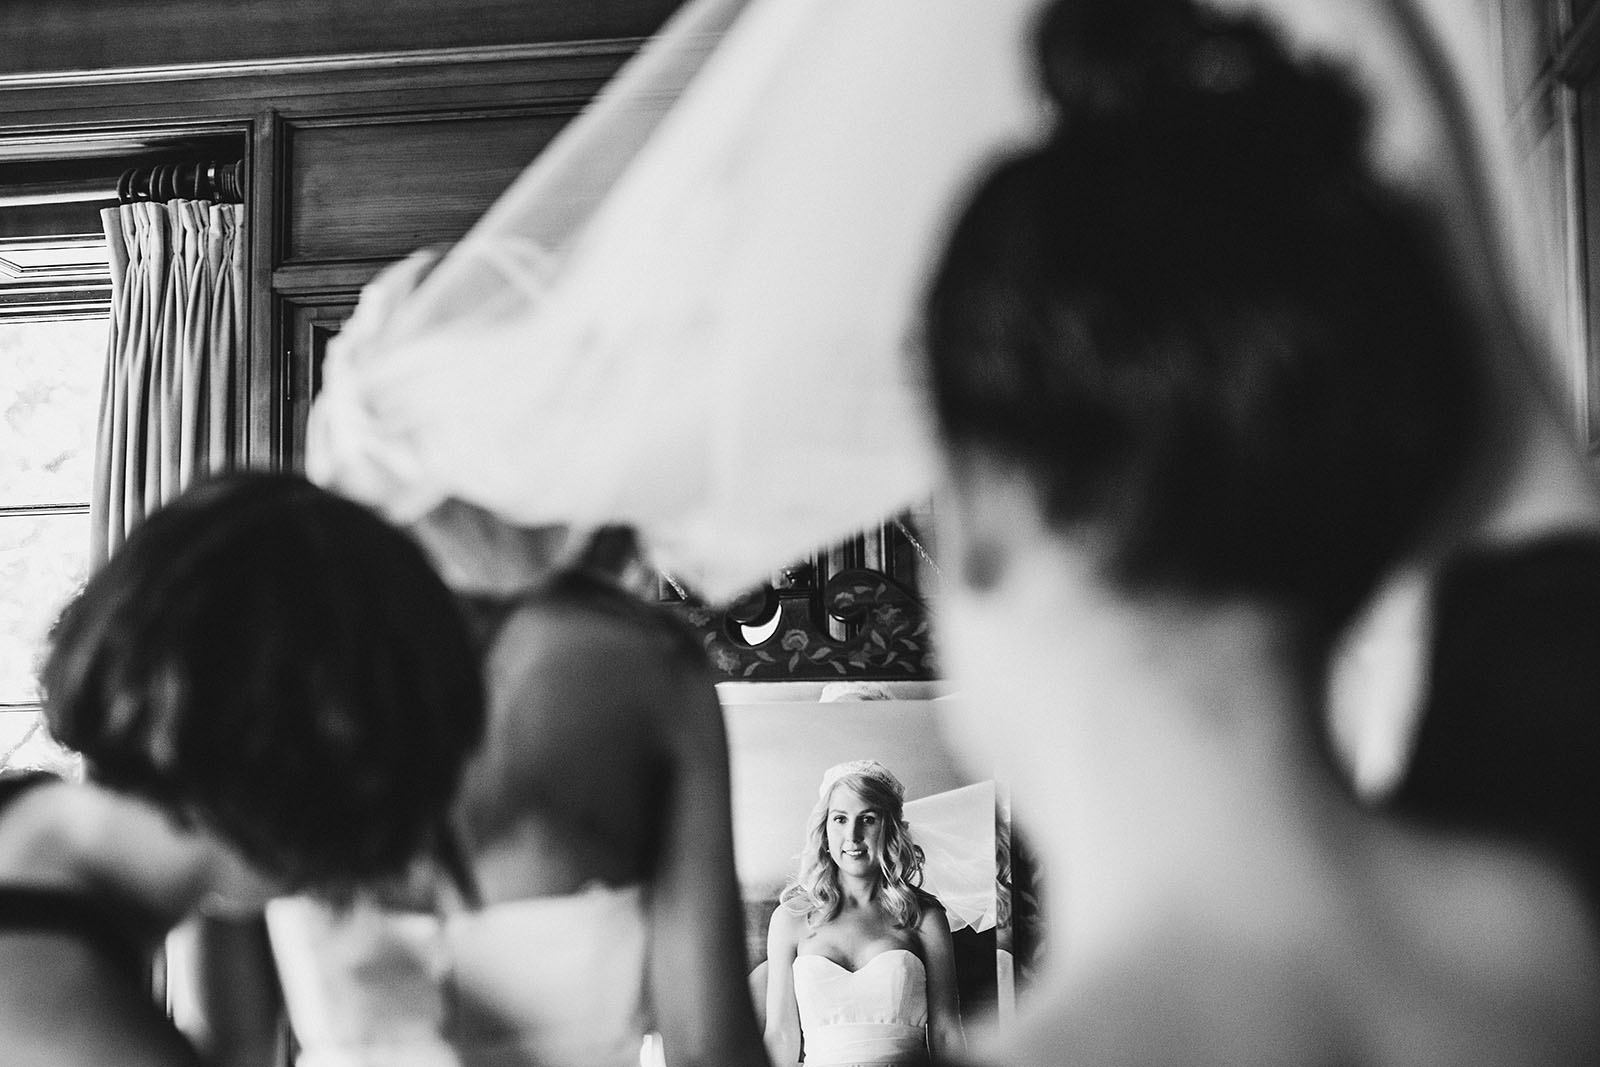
[857,624]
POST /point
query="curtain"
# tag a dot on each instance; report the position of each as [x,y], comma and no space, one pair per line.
[176,343]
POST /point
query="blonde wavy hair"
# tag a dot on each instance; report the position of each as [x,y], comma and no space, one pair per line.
[815,891]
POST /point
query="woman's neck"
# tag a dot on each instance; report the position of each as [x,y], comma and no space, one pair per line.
[855,891]
[1201,860]
[1189,784]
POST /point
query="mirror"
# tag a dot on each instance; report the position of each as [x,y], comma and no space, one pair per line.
[783,735]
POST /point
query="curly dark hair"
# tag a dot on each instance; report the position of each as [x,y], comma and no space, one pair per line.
[280,664]
[1199,318]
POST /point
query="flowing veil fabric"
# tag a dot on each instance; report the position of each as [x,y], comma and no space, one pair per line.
[692,313]
[956,832]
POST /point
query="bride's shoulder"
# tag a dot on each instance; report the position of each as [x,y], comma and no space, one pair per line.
[788,923]
[583,614]
[933,922]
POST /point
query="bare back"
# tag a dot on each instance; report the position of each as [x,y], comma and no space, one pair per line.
[568,786]
[1441,953]
[62,1006]
[606,761]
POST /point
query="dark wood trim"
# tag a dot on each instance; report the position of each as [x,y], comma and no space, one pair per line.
[308,322]
[50,303]
[78,134]
[300,280]
[45,37]
[1575,60]
[49,110]
[54,119]
[320,66]
[260,427]
[388,117]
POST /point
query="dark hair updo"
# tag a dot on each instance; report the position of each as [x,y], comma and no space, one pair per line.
[281,664]
[1200,320]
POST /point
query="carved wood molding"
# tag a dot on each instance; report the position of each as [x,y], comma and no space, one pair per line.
[323,65]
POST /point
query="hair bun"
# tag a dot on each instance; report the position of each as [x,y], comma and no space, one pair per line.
[1175,69]
[1106,58]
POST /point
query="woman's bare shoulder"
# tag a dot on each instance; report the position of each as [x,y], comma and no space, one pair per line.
[1511,920]
[933,920]
[786,927]
[584,627]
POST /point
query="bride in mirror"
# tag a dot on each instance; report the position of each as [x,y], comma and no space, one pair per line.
[861,965]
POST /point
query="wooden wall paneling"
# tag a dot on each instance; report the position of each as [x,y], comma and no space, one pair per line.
[309,323]
[342,276]
[260,429]
[365,188]
[381,129]
[372,83]
[1576,48]
[44,36]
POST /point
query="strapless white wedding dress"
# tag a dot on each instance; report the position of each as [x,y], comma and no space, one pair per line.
[873,1015]
[551,982]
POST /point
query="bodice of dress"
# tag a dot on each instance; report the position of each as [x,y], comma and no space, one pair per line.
[552,981]
[875,1014]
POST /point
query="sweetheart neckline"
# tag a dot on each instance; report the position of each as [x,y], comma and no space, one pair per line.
[864,966]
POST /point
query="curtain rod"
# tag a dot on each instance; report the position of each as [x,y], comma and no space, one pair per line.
[201,180]
[197,180]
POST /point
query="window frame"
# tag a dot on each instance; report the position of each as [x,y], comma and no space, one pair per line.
[80,308]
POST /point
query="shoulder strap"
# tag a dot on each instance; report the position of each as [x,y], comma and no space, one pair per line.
[15,783]
[97,921]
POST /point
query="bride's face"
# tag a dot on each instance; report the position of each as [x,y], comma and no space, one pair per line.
[855,831]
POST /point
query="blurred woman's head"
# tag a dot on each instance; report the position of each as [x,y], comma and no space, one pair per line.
[858,827]
[1198,327]
[281,665]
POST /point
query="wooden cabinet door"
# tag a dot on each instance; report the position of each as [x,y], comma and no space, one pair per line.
[308,324]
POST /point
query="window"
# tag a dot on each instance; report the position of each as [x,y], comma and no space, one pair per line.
[52,356]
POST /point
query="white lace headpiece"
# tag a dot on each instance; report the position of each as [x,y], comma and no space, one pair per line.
[867,768]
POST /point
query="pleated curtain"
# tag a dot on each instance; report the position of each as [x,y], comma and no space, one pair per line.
[167,410]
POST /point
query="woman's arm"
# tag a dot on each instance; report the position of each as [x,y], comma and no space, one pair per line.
[783,1011]
[699,966]
[946,1041]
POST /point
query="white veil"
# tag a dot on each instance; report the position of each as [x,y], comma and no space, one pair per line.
[691,313]
[956,832]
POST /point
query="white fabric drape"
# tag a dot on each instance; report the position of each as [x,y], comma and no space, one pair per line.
[691,312]
[956,832]
[177,321]
[714,349]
